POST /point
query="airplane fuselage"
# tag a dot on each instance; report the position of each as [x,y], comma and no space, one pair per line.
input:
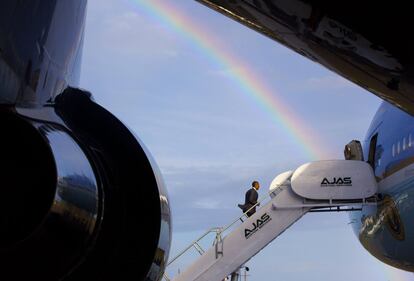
[387,230]
[40,50]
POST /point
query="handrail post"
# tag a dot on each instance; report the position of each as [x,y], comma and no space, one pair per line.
[218,244]
[218,241]
[199,249]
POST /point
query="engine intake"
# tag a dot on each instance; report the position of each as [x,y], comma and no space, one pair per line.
[82,197]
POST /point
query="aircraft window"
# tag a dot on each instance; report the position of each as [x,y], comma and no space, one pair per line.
[410,140]
[393,150]
[398,147]
[404,144]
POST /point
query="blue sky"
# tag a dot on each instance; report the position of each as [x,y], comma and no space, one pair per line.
[210,141]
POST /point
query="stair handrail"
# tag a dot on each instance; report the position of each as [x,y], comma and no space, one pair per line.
[220,230]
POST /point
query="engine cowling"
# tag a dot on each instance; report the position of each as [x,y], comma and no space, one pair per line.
[81,196]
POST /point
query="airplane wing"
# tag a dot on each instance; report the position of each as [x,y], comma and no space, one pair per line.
[367,44]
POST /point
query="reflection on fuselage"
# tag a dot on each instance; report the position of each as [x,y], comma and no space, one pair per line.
[388,215]
[387,230]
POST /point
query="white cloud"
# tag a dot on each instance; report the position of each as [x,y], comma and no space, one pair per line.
[227,72]
[207,203]
[126,32]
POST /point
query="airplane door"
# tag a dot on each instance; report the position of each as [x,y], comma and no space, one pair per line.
[372,151]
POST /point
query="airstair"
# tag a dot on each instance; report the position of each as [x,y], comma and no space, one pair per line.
[323,186]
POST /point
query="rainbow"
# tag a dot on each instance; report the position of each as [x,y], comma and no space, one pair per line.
[241,74]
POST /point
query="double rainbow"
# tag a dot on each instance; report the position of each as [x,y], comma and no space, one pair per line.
[243,76]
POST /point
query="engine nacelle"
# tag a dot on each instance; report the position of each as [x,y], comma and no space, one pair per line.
[81,197]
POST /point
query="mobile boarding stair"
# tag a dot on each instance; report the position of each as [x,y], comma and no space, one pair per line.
[334,185]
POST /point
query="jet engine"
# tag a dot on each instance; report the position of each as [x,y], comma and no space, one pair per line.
[81,197]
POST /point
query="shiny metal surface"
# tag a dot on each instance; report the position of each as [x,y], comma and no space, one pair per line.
[387,231]
[66,158]
[109,204]
[106,203]
[40,49]
[162,251]
[367,43]
[58,238]
[77,201]
[165,237]
[135,235]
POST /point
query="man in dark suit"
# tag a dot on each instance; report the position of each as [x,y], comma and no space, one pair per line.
[251,199]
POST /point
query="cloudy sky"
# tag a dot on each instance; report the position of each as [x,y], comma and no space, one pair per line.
[182,90]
